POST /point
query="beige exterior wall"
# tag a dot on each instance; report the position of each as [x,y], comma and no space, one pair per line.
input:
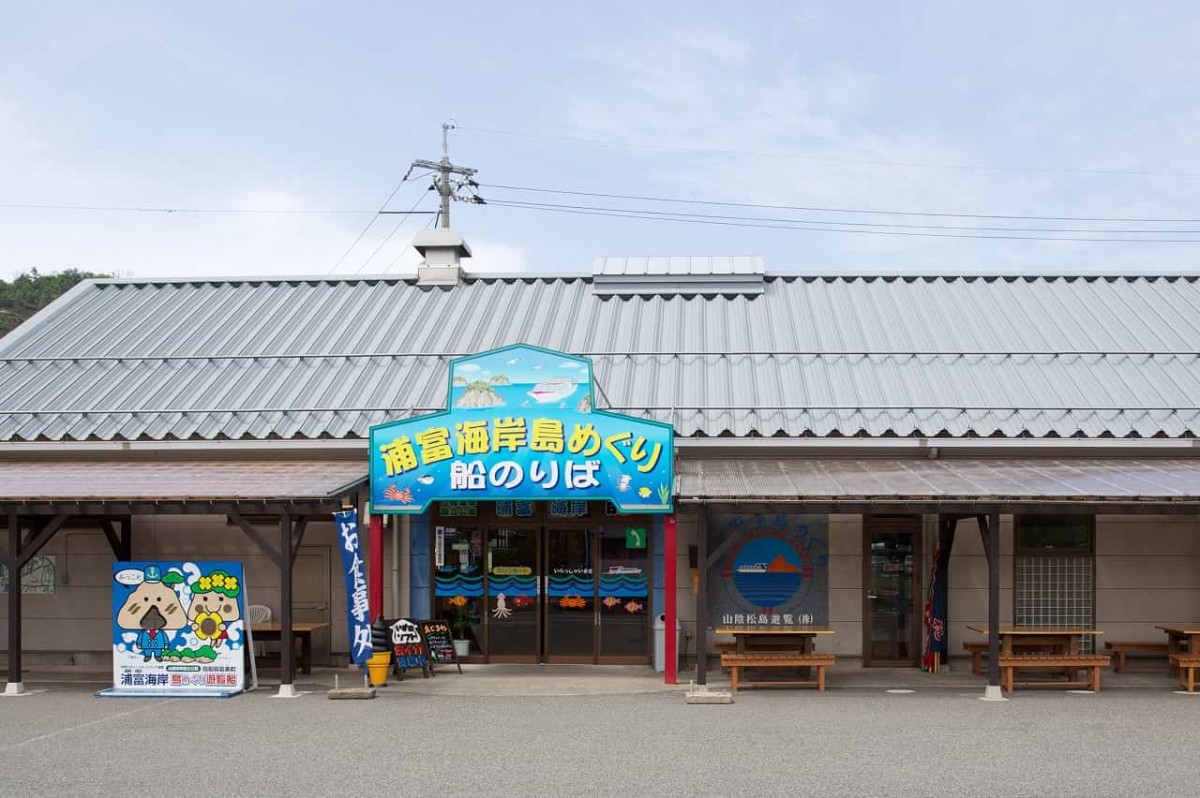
[73,625]
[1147,573]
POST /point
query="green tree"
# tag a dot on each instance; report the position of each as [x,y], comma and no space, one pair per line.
[31,291]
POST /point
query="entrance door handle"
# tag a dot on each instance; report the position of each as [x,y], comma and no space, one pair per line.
[872,596]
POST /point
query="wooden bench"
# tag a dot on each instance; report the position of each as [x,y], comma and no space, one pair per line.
[1092,663]
[979,650]
[1187,665]
[725,648]
[1122,647]
[768,659]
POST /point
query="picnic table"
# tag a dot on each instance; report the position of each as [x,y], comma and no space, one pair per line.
[798,639]
[1182,639]
[789,647]
[1062,654]
[272,632]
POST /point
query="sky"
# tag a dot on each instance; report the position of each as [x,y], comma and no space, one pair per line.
[898,136]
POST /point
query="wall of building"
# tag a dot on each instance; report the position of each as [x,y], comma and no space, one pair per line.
[73,625]
[845,584]
[1147,573]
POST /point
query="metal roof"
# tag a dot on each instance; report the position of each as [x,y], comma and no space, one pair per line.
[36,481]
[875,481]
[810,356]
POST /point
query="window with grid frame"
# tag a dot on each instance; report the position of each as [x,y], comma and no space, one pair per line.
[1055,571]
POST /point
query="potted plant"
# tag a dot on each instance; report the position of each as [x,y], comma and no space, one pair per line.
[460,625]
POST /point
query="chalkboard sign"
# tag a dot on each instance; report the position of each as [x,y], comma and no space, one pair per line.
[408,645]
[438,642]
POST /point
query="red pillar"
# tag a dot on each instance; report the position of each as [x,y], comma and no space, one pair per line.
[670,636]
[375,566]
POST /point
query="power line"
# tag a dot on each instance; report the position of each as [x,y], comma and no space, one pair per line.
[403,218]
[795,156]
[893,225]
[699,219]
[140,209]
[370,223]
[823,209]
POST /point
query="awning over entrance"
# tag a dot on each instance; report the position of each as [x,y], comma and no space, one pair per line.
[141,483]
[846,483]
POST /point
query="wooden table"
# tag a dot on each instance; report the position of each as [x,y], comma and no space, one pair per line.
[797,639]
[1065,639]
[1181,639]
[271,632]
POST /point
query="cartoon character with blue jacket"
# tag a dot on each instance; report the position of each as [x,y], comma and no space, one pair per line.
[153,609]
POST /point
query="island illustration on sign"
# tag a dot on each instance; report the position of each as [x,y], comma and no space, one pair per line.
[521,423]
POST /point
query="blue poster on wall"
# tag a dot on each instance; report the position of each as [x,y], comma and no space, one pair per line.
[177,628]
[522,425]
[774,573]
[358,608]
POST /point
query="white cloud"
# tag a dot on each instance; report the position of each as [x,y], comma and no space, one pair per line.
[724,119]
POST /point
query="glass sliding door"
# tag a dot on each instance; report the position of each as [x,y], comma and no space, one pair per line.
[892,627]
[458,584]
[571,619]
[512,595]
[624,595]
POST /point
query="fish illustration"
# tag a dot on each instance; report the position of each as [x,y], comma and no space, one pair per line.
[632,607]
[457,601]
[522,601]
[644,493]
[610,601]
[426,480]
[395,494]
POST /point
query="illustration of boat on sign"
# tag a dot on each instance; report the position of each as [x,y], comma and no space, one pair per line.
[614,570]
[756,568]
[553,390]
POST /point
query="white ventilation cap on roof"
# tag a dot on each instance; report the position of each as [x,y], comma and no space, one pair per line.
[443,251]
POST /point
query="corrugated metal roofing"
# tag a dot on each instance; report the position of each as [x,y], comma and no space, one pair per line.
[177,480]
[811,356]
[993,479]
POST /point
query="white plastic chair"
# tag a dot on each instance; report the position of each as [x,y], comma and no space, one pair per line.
[258,613]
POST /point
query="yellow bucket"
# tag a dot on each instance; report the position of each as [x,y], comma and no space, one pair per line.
[377,668]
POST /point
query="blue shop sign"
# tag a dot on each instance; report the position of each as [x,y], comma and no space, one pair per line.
[521,425]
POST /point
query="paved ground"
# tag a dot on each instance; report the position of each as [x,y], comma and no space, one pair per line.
[638,739]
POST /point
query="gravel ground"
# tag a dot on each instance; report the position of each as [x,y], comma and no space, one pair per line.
[857,742]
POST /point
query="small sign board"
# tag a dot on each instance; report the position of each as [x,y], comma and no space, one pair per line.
[635,537]
[408,645]
[439,643]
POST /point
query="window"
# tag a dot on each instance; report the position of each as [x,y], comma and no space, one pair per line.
[1054,534]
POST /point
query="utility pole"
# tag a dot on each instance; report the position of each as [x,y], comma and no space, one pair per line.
[449,179]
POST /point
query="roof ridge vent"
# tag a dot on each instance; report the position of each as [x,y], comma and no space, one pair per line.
[706,275]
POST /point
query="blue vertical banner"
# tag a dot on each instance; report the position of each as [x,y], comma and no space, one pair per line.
[358,608]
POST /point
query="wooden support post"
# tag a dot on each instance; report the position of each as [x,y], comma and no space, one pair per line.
[126,553]
[670,600]
[287,664]
[375,565]
[702,598]
[12,562]
[993,556]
